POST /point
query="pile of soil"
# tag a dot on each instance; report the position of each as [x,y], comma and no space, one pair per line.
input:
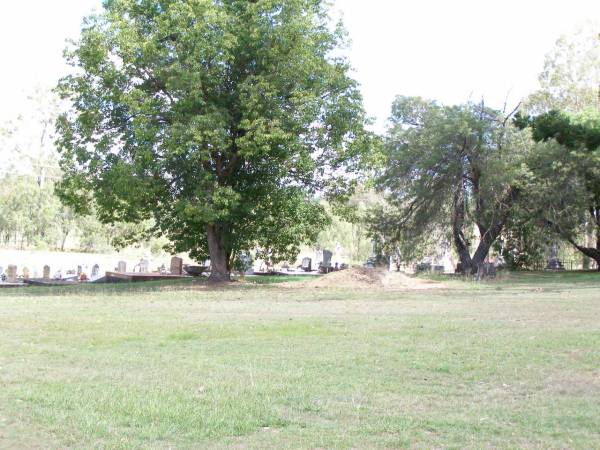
[362,278]
[400,281]
[356,277]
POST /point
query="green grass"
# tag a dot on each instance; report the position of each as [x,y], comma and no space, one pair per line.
[513,363]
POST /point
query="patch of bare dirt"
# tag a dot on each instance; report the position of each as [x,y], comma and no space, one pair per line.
[363,278]
[401,281]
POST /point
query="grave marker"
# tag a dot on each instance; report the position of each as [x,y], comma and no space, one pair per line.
[307,264]
[11,274]
[176,266]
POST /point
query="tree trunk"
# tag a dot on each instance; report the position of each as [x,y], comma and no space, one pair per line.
[488,237]
[64,241]
[590,252]
[219,255]
[458,220]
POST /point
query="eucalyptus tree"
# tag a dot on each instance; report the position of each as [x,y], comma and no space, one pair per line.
[219,119]
[452,168]
[570,78]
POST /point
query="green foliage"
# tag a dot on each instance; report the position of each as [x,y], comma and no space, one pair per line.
[449,168]
[523,244]
[565,175]
[571,74]
[210,117]
[405,243]
[581,131]
[27,211]
[32,216]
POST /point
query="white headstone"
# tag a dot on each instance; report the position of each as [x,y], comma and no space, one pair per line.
[46,272]
[122,267]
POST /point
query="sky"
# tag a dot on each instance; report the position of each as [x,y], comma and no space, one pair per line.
[451,51]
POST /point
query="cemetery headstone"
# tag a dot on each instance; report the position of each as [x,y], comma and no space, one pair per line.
[554,263]
[25,273]
[79,270]
[46,275]
[144,265]
[327,255]
[438,268]
[122,267]
[307,264]
[95,270]
[11,274]
[325,265]
[246,263]
[176,265]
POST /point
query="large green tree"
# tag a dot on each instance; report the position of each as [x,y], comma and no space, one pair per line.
[453,168]
[219,119]
[570,83]
[566,176]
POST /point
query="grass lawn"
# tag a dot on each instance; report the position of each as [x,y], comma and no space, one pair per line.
[513,363]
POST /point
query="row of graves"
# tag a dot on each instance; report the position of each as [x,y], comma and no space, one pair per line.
[140,272]
[307,268]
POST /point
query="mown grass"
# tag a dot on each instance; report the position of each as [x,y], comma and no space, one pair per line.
[507,364]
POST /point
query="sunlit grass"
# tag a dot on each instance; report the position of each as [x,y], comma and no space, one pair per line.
[511,363]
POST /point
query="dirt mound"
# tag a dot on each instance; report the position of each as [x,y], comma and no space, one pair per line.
[400,281]
[362,278]
[356,277]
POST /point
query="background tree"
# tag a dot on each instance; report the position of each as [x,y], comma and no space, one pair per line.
[453,167]
[524,239]
[349,227]
[405,244]
[219,120]
[571,76]
[31,214]
[570,82]
[566,172]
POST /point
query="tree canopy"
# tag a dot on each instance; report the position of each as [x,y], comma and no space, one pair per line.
[566,169]
[220,120]
[454,168]
[571,75]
